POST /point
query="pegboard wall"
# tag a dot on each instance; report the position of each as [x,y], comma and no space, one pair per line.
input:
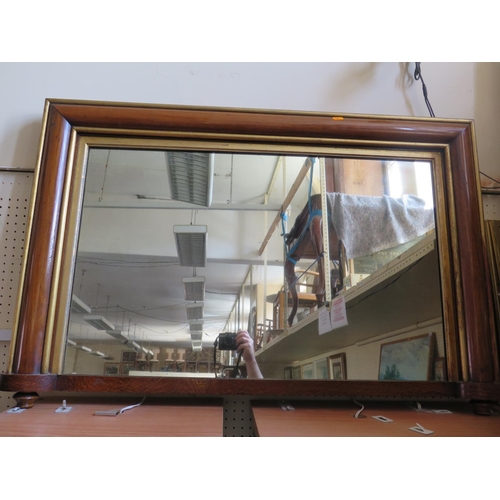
[15,196]
[491,206]
[6,399]
[238,417]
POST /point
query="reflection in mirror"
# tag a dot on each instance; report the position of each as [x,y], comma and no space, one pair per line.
[177,247]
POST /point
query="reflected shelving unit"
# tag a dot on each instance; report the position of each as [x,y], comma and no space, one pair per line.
[410,283]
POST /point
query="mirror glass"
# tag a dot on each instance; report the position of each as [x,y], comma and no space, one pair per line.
[176,247]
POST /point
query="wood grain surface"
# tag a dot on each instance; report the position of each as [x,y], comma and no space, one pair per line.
[152,418]
[337,419]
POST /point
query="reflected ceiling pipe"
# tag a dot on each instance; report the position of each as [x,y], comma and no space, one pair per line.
[145,202]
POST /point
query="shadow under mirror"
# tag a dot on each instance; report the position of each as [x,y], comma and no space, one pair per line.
[177,247]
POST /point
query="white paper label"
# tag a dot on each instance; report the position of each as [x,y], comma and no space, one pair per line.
[338,313]
[324,323]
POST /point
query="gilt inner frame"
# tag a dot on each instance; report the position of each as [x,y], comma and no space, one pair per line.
[449,144]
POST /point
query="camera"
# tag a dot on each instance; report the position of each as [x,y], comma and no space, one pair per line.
[227,341]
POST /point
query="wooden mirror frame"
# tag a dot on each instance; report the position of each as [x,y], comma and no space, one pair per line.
[471,343]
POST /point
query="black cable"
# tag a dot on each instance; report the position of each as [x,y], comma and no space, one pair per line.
[418,76]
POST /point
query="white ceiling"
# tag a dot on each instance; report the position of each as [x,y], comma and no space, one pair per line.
[127,264]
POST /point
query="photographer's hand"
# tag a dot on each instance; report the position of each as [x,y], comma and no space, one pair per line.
[244,345]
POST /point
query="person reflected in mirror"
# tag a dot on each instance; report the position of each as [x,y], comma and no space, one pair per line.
[244,345]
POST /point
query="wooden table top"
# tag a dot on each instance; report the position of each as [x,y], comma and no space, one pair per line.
[174,418]
[329,419]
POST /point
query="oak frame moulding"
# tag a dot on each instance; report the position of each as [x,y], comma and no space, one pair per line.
[71,127]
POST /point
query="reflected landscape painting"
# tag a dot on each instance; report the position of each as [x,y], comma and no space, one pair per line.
[407,359]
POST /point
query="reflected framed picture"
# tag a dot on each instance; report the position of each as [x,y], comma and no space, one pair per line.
[296,373]
[321,369]
[202,367]
[307,371]
[111,368]
[337,368]
[190,368]
[142,366]
[126,367]
[129,356]
[407,359]
[439,369]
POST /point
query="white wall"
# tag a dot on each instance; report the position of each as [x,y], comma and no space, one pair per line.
[456,90]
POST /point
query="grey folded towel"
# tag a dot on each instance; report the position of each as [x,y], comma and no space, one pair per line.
[369,224]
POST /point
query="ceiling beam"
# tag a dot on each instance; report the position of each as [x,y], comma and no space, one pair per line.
[149,204]
[295,186]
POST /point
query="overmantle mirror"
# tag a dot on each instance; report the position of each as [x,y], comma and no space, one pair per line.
[127,195]
[132,315]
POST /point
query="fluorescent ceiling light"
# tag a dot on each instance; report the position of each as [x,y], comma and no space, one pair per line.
[191,242]
[117,335]
[194,288]
[72,343]
[196,326]
[108,358]
[133,345]
[78,306]
[194,311]
[99,322]
[191,176]
[196,346]
[196,336]
[83,348]
[99,354]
